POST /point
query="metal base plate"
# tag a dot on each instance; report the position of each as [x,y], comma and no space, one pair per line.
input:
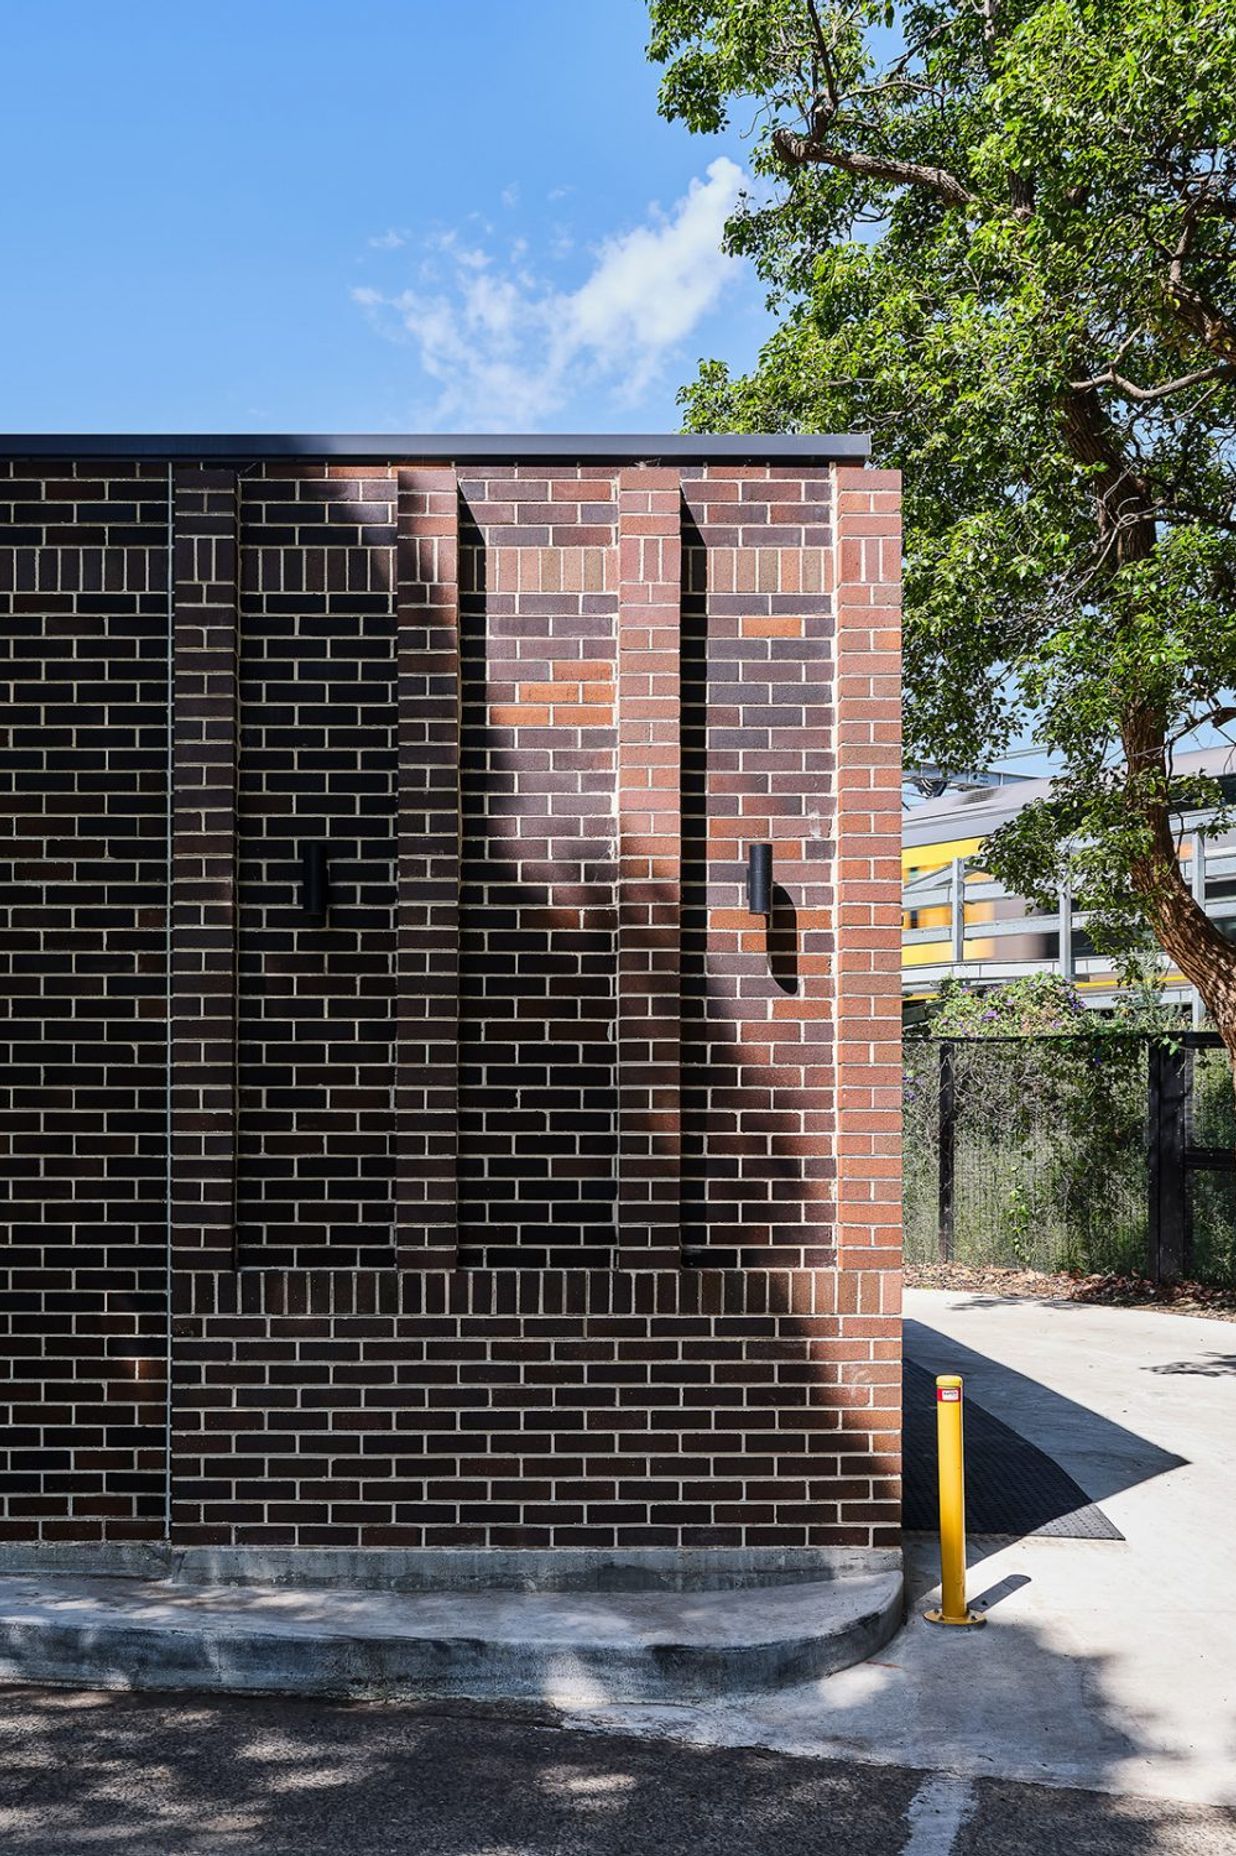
[971,1621]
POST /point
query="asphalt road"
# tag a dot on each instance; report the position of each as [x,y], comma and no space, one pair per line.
[183,1776]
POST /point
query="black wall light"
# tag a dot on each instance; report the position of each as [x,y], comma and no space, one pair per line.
[314,882]
[759,879]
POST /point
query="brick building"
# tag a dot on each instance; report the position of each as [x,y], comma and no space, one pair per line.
[532,1193]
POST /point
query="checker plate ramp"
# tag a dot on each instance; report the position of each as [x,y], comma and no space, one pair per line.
[1012,1487]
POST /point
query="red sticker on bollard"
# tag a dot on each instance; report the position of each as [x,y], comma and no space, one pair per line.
[948,1395]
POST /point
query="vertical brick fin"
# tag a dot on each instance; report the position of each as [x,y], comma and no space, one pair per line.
[83,999]
[426,1087]
[868,1004]
[204,870]
[649,854]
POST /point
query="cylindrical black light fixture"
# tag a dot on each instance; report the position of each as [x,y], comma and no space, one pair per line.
[314,882]
[759,879]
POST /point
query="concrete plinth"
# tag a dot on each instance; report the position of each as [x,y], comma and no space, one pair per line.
[575,1648]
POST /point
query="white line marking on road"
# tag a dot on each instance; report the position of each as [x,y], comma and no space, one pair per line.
[935,1814]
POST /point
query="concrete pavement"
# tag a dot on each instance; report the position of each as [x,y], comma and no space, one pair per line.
[143,1775]
[1106,1663]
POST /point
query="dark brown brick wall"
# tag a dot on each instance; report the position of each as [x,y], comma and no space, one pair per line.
[541,1196]
[83,989]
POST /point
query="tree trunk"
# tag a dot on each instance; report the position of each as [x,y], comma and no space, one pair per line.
[1205,957]
[1124,513]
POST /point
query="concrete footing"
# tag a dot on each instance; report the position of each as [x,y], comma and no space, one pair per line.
[575,1644]
[454,1569]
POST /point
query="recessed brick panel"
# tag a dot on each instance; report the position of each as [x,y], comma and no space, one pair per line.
[538,1105]
[759,766]
[318,757]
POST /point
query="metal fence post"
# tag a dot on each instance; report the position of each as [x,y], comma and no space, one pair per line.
[946,1150]
[957,915]
[1168,1221]
[1068,966]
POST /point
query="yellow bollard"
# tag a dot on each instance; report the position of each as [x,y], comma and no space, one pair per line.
[950,1448]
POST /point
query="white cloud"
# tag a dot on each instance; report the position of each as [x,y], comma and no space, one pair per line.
[505,349]
[388,241]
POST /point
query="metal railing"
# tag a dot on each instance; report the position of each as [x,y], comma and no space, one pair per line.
[1212,879]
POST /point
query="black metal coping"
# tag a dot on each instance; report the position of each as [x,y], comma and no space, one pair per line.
[533,447]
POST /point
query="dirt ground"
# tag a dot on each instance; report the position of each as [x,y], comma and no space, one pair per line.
[1181,1298]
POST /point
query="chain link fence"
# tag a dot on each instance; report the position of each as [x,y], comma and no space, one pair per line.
[1034,1153]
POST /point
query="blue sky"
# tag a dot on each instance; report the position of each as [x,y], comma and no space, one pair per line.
[399,215]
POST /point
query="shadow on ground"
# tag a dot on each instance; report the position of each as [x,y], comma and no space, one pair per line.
[144,1775]
[1012,1487]
[1102,1457]
[1210,1366]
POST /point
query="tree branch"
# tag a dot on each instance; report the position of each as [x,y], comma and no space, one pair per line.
[1221,370]
[1123,497]
[1217,717]
[805,150]
[820,41]
[1212,328]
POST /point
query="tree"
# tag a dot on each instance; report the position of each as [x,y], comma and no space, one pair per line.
[1001,237]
